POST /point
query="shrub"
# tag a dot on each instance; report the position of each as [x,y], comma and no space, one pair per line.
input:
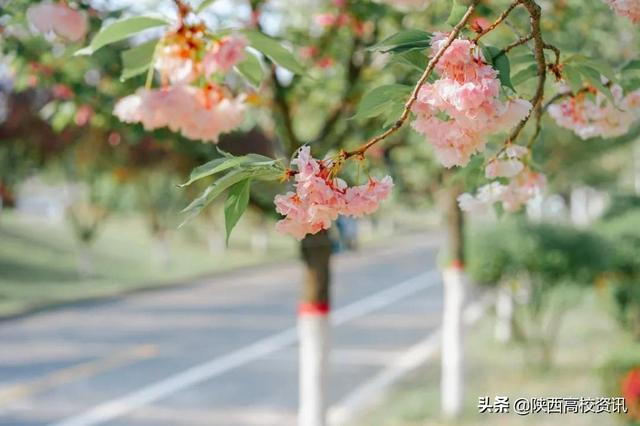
[623,233]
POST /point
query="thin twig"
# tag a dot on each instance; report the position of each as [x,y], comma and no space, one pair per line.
[535,13]
[516,43]
[498,21]
[555,50]
[414,95]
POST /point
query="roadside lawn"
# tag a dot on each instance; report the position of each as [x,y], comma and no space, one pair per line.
[588,337]
[39,259]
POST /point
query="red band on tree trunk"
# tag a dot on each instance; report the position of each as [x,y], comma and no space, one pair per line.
[313,308]
[457,264]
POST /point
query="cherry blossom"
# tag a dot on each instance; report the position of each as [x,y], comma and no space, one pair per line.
[326,19]
[58,18]
[319,198]
[176,64]
[365,199]
[627,8]
[507,164]
[200,114]
[460,110]
[598,117]
[225,54]
[524,187]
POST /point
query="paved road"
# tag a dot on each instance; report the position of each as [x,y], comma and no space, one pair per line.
[221,352]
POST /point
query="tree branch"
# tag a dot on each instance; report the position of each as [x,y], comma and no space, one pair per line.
[498,21]
[519,42]
[414,95]
[535,13]
[353,75]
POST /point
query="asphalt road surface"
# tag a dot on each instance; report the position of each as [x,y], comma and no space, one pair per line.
[218,352]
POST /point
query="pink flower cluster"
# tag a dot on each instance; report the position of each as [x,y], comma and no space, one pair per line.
[507,164]
[320,198]
[526,186]
[59,19]
[224,55]
[340,18]
[197,113]
[599,117]
[628,8]
[178,63]
[460,110]
[200,113]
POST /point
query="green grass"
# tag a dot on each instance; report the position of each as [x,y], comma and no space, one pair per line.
[39,259]
[588,337]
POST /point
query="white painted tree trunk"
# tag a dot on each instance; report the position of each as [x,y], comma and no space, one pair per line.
[452,379]
[503,330]
[313,329]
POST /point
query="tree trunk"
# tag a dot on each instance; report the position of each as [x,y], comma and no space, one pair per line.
[85,264]
[454,283]
[503,330]
[313,329]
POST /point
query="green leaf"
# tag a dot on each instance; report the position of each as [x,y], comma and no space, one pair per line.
[404,41]
[225,163]
[600,66]
[236,205]
[120,30]
[272,49]
[487,52]
[525,74]
[251,69]
[138,59]
[212,192]
[212,167]
[380,99]
[457,12]
[525,58]
[205,4]
[265,172]
[631,84]
[393,113]
[500,62]
[631,65]
[572,77]
[413,58]
[593,77]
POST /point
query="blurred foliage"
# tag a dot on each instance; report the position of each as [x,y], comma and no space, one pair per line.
[621,204]
[548,265]
[622,230]
[549,253]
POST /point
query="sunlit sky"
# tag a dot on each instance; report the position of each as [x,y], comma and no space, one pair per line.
[222,13]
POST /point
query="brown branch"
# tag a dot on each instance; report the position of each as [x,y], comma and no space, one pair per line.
[535,14]
[414,95]
[282,106]
[498,21]
[354,72]
[555,50]
[280,99]
[516,43]
[555,98]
